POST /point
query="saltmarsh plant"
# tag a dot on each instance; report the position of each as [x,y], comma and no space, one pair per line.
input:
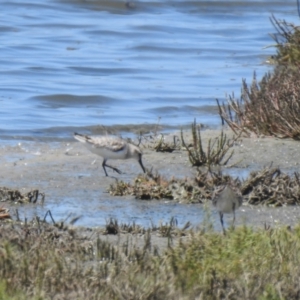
[163,146]
[245,264]
[216,151]
[242,265]
[155,186]
[287,38]
[271,107]
[268,186]
[145,187]
[15,295]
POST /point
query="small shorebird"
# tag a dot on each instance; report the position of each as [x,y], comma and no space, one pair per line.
[227,199]
[111,147]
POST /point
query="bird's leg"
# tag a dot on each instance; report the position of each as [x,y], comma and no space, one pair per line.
[222,223]
[103,166]
[106,165]
[141,164]
[233,209]
[114,168]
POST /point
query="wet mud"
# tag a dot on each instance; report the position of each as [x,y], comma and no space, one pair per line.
[75,185]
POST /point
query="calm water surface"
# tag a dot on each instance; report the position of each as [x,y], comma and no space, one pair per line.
[71,64]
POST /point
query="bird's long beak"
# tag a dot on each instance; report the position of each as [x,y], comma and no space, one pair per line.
[141,163]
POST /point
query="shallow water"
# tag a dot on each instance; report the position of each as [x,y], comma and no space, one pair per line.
[96,210]
[73,64]
[100,209]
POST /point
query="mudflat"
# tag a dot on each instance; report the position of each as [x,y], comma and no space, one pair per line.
[67,170]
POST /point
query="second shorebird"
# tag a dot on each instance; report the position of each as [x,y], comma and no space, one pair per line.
[227,199]
[111,147]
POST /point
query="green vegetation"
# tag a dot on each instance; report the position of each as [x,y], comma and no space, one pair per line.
[44,262]
[287,38]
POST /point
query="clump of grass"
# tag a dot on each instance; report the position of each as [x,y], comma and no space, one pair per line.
[171,228]
[270,186]
[158,141]
[43,262]
[287,38]
[112,226]
[242,265]
[4,213]
[11,195]
[168,229]
[216,152]
[145,187]
[155,186]
[120,188]
[11,295]
[271,107]
[164,146]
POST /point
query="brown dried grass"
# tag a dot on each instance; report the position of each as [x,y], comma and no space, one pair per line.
[268,186]
[271,107]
